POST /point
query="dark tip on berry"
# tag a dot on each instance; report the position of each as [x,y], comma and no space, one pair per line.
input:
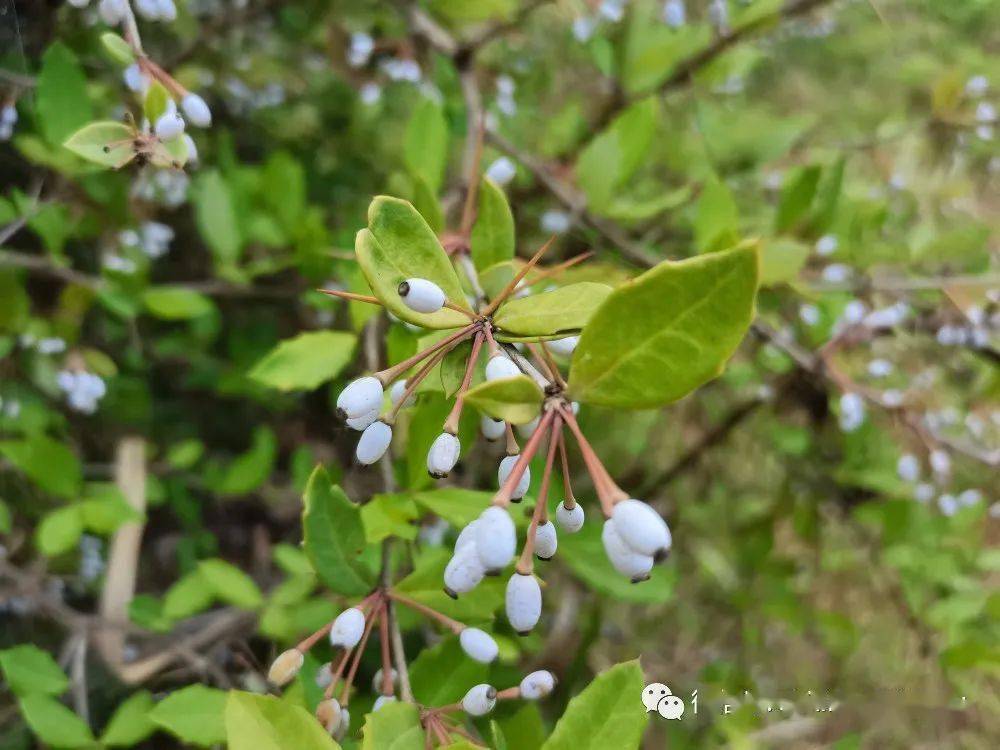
[491,692]
[523,633]
[516,499]
[543,559]
[493,572]
[403,289]
[451,593]
[661,554]
[640,579]
[437,475]
[340,414]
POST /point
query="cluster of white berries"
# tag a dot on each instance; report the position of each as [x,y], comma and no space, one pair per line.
[484,547]
[482,699]
[83,390]
[152,238]
[8,119]
[635,538]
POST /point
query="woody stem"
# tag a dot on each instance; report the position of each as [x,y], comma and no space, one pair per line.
[524,563]
[383,636]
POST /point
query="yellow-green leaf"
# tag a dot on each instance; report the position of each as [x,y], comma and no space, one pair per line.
[105,142]
[517,399]
[306,361]
[194,714]
[261,722]
[492,238]
[563,310]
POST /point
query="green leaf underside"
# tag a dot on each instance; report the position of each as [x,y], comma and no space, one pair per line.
[400,245]
[396,726]
[261,722]
[516,399]
[563,310]
[607,714]
[334,536]
[105,142]
[194,714]
[657,338]
[493,236]
[305,361]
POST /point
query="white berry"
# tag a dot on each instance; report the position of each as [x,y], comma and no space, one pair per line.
[492,429]
[479,645]
[197,110]
[625,560]
[506,467]
[496,539]
[361,423]
[642,528]
[373,443]
[480,700]
[360,397]
[463,572]
[570,519]
[348,628]
[421,295]
[563,347]
[537,685]
[546,541]
[443,455]
[169,126]
[501,366]
[524,602]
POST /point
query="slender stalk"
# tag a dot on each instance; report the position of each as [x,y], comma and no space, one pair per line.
[608,492]
[512,693]
[405,692]
[469,269]
[454,625]
[451,423]
[335,676]
[525,564]
[351,296]
[544,273]
[472,189]
[502,497]
[512,447]
[308,643]
[570,501]
[550,372]
[512,284]
[552,364]
[383,637]
[390,374]
[413,383]
[490,340]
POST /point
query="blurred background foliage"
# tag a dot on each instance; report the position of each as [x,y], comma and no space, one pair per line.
[814,563]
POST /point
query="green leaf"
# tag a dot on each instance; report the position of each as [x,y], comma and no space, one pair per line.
[517,399]
[456,505]
[30,671]
[586,558]
[334,536]
[306,361]
[130,724]
[611,158]
[717,219]
[61,95]
[492,238]
[425,150]
[117,49]
[261,722]
[424,585]
[452,368]
[781,260]
[443,674]
[399,245]
[426,202]
[230,584]
[608,713]
[796,197]
[155,104]
[176,303]
[216,217]
[389,515]
[187,596]
[250,470]
[194,714]
[396,726]
[286,189]
[47,462]
[105,142]
[55,724]
[660,336]
[563,310]
[59,531]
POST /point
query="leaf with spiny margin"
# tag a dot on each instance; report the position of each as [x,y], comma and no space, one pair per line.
[658,337]
[261,722]
[334,536]
[516,399]
[104,142]
[563,310]
[608,713]
[400,245]
[492,239]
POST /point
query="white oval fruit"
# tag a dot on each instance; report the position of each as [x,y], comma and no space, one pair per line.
[546,541]
[537,685]
[112,11]
[347,628]
[480,700]
[421,295]
[496,539]
[624,559]
[196,110]
[396,394]
[377,681]
[169,126]
[324,676]
[479,645]
[492,429]
[345,724]
[506,467]
[330,714]
[524,602]
[563,347]
[642,528]
[373,443]
[443,455]
[527,429]
[361,423]
[285,667]
[501,366]
[360,397]
[570,519]
[382,700]
[466,535]
[463,572]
